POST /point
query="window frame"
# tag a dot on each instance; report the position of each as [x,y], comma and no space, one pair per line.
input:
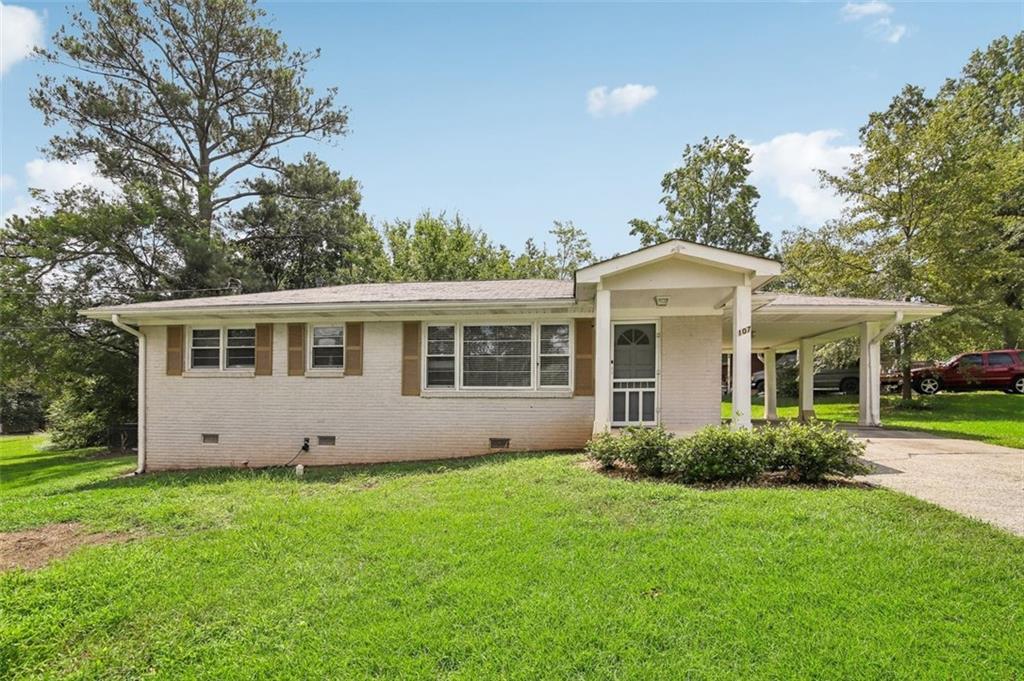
[220,348]
[310,328]
[457,373]
[541,355]
[224,348]
[532,322]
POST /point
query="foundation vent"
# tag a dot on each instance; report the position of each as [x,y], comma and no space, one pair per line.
[499,443]
[325,440]
[211,438]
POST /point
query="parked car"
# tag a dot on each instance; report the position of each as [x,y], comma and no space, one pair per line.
[990,370]
[845,380]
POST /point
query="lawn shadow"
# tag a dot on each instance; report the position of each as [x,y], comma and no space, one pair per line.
[331,474]
[53,466]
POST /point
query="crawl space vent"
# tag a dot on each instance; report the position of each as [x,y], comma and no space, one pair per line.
[210,438]
[499,443]
[325,440]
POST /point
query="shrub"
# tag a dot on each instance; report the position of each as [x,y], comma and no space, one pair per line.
[606,449]
[809,452]
[717,454]
[645,449]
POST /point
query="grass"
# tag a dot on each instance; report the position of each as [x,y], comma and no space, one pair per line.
[514,566]
[992,417]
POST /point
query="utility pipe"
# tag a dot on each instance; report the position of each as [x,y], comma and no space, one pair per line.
[116,320]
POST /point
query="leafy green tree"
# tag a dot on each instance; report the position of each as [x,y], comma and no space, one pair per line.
[439,248]
[708,200]
[572,249]
[306,229]
[189,96]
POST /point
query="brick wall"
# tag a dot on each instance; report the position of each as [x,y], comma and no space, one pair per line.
[691,387]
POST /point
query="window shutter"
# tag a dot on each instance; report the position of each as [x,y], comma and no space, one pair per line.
[584,357]
[264,349]
[175,350]
[353,348]
[296,349]
[410,358]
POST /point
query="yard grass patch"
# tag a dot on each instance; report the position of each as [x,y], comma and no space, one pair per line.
[517,566]
[992,417]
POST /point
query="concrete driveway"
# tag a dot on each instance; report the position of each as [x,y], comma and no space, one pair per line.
[979,480]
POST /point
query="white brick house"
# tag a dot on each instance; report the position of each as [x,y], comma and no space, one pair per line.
[386,372]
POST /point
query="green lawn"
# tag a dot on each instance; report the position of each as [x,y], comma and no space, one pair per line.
[990,416]
[510,566]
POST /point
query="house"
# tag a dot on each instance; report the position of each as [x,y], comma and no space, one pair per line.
[386,372]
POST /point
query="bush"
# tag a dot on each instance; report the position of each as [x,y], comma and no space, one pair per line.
[805,453]
[809,452]
[645,449]
[718,454]
[606,449]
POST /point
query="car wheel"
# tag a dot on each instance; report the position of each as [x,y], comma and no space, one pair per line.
[850,386]
[929,385]
[1018,385]
[759,387]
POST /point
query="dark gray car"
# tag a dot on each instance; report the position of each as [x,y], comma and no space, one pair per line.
[845,380]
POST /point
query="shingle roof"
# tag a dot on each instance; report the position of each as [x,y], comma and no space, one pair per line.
[513,290]
[799,300]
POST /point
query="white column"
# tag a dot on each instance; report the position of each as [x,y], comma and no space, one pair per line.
[602,360]
[741,358]
[806,362]
[771,412]
[870,400]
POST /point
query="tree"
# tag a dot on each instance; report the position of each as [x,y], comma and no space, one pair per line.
[572,249]
[439,248]
[708,200]
[190,96]
[306,229]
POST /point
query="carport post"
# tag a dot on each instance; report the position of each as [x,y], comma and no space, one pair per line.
[741,333]
[602,360]
[870,383]
[806,363]
[770,390]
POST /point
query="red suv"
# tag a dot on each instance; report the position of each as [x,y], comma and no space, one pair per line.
[993,370]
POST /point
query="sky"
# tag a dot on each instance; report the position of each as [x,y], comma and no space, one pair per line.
[515,115]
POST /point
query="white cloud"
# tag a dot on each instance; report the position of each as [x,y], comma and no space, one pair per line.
[7,182]
[21,30]
[53,176]
[789,164]
[879,25]
[854,11]
[622,100]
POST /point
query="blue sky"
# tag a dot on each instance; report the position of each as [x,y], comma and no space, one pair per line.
[494,110]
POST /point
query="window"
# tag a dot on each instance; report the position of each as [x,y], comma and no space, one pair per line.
[496,356]
[241,349]
[440,356]
[554,355]
[328,347]
[970,361]
[1000,359]
[205,348]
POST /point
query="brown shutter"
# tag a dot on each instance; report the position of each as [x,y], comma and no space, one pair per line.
[354,349]
[175,350]
[410,358]
[264,349]
[584,357]
[296,349]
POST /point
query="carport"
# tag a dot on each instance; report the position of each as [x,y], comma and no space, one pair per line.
[782,322]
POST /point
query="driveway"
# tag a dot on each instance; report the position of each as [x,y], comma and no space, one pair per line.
[979,480]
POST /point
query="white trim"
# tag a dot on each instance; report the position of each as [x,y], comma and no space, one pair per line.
[220,348]
[224,348]
[330,370]
[496,391]
[656,321]
[222,369]
[762,268]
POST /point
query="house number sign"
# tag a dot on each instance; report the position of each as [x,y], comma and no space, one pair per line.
[744,331]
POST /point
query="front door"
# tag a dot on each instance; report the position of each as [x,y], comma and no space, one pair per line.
[634,378]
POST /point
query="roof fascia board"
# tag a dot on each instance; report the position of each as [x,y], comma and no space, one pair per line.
[738,262]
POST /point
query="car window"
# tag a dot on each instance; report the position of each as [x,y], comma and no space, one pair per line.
[970,361]
[1000,359]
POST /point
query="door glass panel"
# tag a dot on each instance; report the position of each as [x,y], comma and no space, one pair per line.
[634,351]
[619,407]
[634,405]
[648,410]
